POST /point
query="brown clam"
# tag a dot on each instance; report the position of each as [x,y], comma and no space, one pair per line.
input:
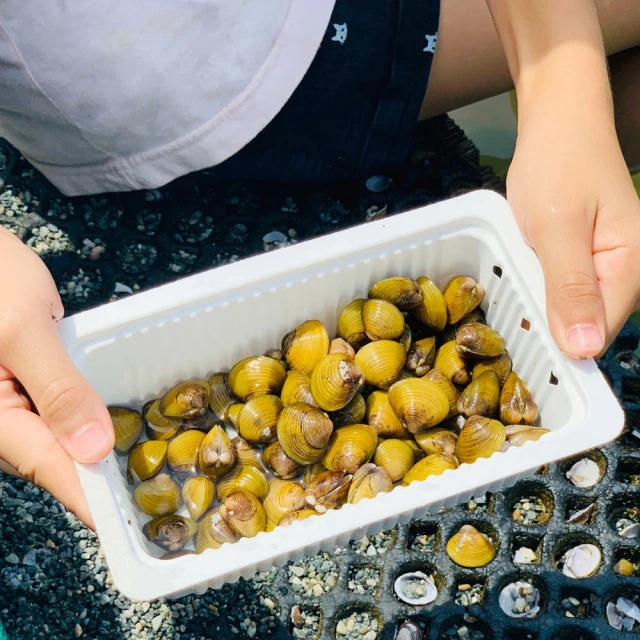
[462,295]
[350,325]
[246,478]
[350,447]
[367,482]
[328,490]
[297,388]
[382,320]
[305,346]
[480,340]
[420,404]
[127,426]
[186,400]
[421,356]
[295,516]
[353,413]
[213,532]
[258,418]
[437,440]
[382,418]
[221,396]
[146,459]
[469,548]
[284,497]
[480,437]
[156,425]
[437,377]
[335,380]
[381,362]
[244,513]
[518,434]
[516,404]
[202,422]
[217,456]
[432,311]
[158,496]
[280,463]
[395,457]
[313,471]
[246,454]
[406,338]
[400,291]
[481,396]
[198,494]
[303,432]
[170,532]
[501,365]
[256,376]
[449,361]
[432,465]
[182,454]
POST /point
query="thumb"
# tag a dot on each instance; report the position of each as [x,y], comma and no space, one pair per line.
[64,399]
[575,307]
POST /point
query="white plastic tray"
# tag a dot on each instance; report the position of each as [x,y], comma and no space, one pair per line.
[135,349]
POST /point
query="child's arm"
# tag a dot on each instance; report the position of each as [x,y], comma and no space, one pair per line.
[72,422]
[568,185]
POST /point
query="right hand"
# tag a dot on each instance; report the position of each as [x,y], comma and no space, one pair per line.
[71,422]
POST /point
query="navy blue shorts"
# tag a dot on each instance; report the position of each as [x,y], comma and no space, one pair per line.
[356,109]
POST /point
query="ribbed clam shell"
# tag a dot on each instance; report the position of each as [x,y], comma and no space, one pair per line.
[305,346]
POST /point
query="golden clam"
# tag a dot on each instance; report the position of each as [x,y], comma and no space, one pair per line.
[335,380]
[277,354]
[469,548]
[437,440]
[327,490]
[305,346]
[449,361]
[479,340]
[516,404]
[367,482]
[400,291]
[353,413]
[462,295]
[156,425]
[350,325]
[202,422]
[159,496]
[182,453]
[518,434]
[406,338]
[246,478]
[244,513]
[221,396]
[381,417]
[501,365]
[297,388]
[624,567]
[217,455]
[382,320]
[432,311]
[186,400]
[198,494]
[480,437]
[338,345]
[256,376]
[395,457]
[421,356]
[437,377]
[146,459]
[420,404]
[170,532]
[381,362]
[350,447]
[246,454]
[295,516]
[303,432]
[481,396]
[283,498]
[418,453]
[127,426]
[313,471]
[233,411]
[213,532]
[280,463]
[258,418]
[432,465]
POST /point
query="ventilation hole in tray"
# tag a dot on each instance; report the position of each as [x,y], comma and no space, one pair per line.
[628,470]
[364,580]
[553,379]
[352,614]
[530,503]
[305,621]
[574,633]
[525,324]
[514,633]
[530,579]
[581,475]
[623,515]
[577,603]
[568,542]
[526,549]
[458,627]
[414,567]
[423,538]
[626,561]
[470,590]
[580,510]
[497,270]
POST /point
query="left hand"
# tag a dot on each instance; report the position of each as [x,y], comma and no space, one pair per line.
[572,195]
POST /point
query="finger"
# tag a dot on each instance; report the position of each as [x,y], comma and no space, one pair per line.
[31,448]
[5,467]
[575,307]
[64,399]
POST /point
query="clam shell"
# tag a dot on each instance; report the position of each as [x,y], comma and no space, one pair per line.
[415,588]
[186,400]
[353,413]
[159,496]
[516,404]
[256,376]
[213,532]
[258,418]
[409,630]
[327,490]
[382,320]
[127,426]
[350,447]
[280,463]
[421,356]
[584,474]
[480,437]
[437,440]
[382,418]
[146,459]
[406,338]
[283,498]
[338,345]
[469,548]
[246,478]
[198,494]
[462,295]
[217,456]
[335,380]
[624,568]
[581,561]
[156,425]
[305,346]
[400,291]
[431,465]
[479,340]
[350,325]
[518,434]
[419,403]
[303,432]
[437,377]
[381,362]
[501,365]
[295,516]
[395,457]
[449,361]
[367,482]
[297,388]
[481,397]
[242,511]
[432,311]
[182,454]
[170,532]
[233,411]
[246,454]
[512,600]
[221,396]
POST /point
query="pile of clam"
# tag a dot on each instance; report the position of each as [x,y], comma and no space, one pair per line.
[415,383]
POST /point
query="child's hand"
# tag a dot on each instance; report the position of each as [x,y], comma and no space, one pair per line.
[72,422]
[573,197]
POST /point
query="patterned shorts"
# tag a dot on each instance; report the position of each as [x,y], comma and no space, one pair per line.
[355,111]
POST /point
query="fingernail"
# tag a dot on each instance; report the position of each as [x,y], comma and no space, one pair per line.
[89,442]
[585,338]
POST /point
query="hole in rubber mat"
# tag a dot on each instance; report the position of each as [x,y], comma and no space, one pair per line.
[467,549]
[580,510]
[497,271]
[578,565]
[622,599]
[364,580]
[626,562]
[350,620]
[481,504]
[255,613]
[623,515]
[409,584]
[631,389]
[628,470]
[525,324]
[411,628]
[313,576]
[529,503]
[631,436]
[581,472]
[375,545]
[452,629]
[574,633]
[305,621]
[526,549]
[577,603]
[553,379]
[521,595]
[423,537]
[469,590]
[515,633]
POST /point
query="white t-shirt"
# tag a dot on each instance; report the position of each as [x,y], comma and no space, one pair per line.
[116,95]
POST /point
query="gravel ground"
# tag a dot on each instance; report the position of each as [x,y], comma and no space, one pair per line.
[54,583]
